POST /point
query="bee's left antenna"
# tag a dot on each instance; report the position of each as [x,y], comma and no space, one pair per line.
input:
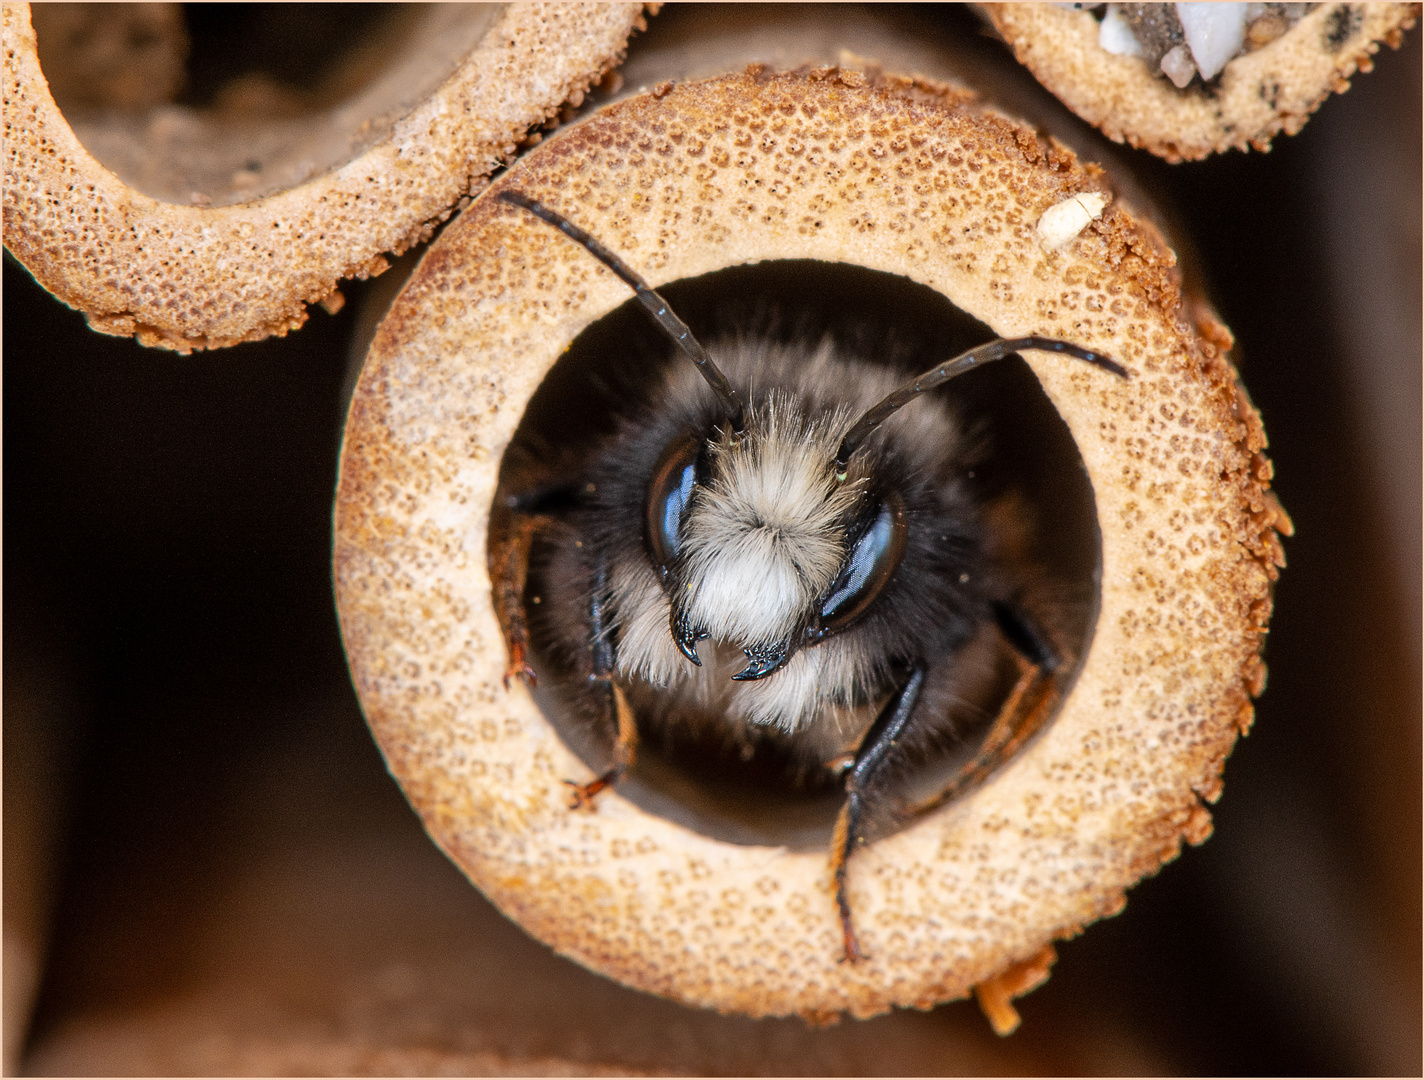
[943,373]
[662,314]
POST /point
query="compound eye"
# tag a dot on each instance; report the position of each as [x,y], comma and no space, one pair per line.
[669,493]
[874,558]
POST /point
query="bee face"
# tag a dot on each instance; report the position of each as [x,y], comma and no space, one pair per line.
[759,548]
[767,549]
[766,534]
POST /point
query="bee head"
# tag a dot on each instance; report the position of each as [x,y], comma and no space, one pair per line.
[759,543]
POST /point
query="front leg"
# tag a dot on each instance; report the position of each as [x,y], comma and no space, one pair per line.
[512,536]
[509,557]
[1023,714]
[604,656]
[875,749]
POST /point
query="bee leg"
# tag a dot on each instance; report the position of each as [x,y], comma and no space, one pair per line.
[875,748]
[1025,711]
[1020,630]
[581,796]
[516,524]
[509,566]
[626,741]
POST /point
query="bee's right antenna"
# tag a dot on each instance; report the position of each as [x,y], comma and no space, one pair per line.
[662,314]
[984,354]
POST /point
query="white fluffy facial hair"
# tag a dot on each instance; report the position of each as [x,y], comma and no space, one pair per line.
[766,535]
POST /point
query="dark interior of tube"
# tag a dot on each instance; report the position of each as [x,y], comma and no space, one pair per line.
[714,787]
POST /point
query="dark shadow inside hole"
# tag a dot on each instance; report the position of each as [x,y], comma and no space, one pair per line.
[124,56]
[298,46]
[711,784]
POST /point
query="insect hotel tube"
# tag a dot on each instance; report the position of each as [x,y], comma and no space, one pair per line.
[199,221]
[842,182]
[1188,80]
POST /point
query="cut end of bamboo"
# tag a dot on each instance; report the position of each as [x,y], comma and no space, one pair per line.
[1273,86]
[196,228]
[1107,791]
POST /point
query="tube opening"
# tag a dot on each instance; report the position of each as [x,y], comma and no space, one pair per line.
[746,783]
[215,104]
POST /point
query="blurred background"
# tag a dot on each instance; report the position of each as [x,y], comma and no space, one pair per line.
[208,870]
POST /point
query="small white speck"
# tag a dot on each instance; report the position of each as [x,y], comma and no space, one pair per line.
[964,579]
[1063,221]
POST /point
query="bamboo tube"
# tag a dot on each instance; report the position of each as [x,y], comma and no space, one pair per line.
[194,230]
[897,175]
[1258,94]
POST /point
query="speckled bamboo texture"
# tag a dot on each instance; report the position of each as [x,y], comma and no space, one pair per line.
[191,277]
[899,176]
[1259,94]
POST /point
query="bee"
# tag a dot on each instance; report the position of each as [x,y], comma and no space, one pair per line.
[782,548]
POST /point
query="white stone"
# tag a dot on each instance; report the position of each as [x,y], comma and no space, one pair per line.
[1177,65]
[1214,33]
[1114,35]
